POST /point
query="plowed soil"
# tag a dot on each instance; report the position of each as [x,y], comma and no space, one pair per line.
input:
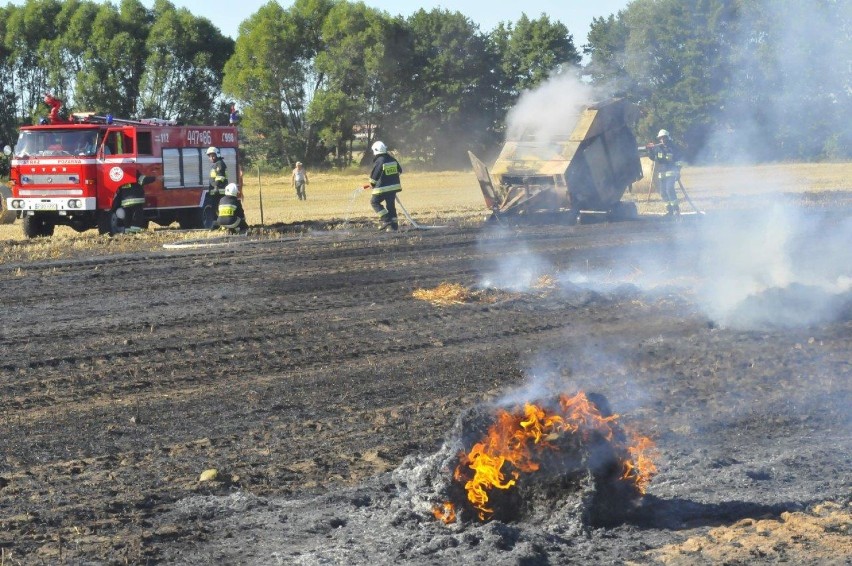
[304,371]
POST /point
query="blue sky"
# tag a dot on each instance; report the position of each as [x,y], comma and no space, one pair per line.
[575,14]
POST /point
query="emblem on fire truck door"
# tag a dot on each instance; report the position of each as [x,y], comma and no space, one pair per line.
[116,174]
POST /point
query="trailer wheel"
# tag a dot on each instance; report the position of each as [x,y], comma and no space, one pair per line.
[623,211]
[35,226]
[574,216]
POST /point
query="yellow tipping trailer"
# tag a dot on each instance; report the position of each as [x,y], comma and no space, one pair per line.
[585,169]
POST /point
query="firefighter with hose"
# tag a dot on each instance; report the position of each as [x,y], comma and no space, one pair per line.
[385,183]
[232,217]
[667,157]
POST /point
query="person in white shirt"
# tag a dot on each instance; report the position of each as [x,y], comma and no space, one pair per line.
[300,179]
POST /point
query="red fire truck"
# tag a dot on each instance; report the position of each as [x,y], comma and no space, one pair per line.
[67,172]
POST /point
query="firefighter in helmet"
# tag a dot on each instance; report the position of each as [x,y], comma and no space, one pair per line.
[385,183]
[232,217]
[667,156]
[218,172]
[131,202]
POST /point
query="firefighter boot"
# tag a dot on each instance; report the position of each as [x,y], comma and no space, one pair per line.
[394,225]
[384,223]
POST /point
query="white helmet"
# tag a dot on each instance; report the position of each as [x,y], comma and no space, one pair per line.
[213,151]
[379,148]
[663,134]
[232,190]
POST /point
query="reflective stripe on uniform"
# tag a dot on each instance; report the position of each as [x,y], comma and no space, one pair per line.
[389,188]
[235,224]
[132,201]
[227,209]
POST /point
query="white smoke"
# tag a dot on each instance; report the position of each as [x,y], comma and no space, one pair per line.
[546,112]
[540,114]
[789,89]
[516,272]
[777,267]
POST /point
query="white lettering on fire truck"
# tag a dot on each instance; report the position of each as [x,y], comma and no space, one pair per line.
[228,137]
[163,137]
[199,137]
[116,174]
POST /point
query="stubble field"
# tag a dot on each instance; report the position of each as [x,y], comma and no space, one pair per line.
[298,364]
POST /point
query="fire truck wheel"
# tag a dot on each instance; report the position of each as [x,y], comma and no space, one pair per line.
[35,226]
[194,218]
[208,216]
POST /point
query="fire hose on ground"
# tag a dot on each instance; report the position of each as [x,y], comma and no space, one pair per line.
[411,221]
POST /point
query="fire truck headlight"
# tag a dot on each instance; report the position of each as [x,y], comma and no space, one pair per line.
[17,204]
[75,203]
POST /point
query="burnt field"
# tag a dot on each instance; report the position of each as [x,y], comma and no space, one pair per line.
[306,373]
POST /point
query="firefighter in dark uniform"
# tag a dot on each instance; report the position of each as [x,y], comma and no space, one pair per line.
[131,198]
[384,182]
[218,173]
[232,217]
[667,156]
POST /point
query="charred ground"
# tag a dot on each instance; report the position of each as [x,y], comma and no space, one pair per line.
[304,372]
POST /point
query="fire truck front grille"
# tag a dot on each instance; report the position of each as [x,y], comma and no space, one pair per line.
[47,192]
[55,179]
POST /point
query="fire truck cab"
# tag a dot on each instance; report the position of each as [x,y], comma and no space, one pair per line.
[68,173]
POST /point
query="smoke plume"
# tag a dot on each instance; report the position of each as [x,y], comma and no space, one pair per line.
[544,112]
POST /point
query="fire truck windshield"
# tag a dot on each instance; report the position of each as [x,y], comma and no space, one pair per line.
[51,143]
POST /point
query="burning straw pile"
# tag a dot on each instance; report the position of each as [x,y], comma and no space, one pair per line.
[555,456]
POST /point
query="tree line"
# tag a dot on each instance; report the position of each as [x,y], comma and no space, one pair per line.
[318,81]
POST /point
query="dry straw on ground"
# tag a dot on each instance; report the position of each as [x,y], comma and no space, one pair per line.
[444,294]
[430,197]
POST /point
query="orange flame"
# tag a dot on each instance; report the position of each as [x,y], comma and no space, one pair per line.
[514,442]
[445,512]
[640,467]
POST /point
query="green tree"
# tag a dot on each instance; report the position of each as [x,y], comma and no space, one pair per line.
[791,90]
[353,62]
[65,55]
[184,67]
[30,29]
[607,43]
[438,103]
[8,100]
[270,74]
[115,58]
[534,50]
[672,58]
